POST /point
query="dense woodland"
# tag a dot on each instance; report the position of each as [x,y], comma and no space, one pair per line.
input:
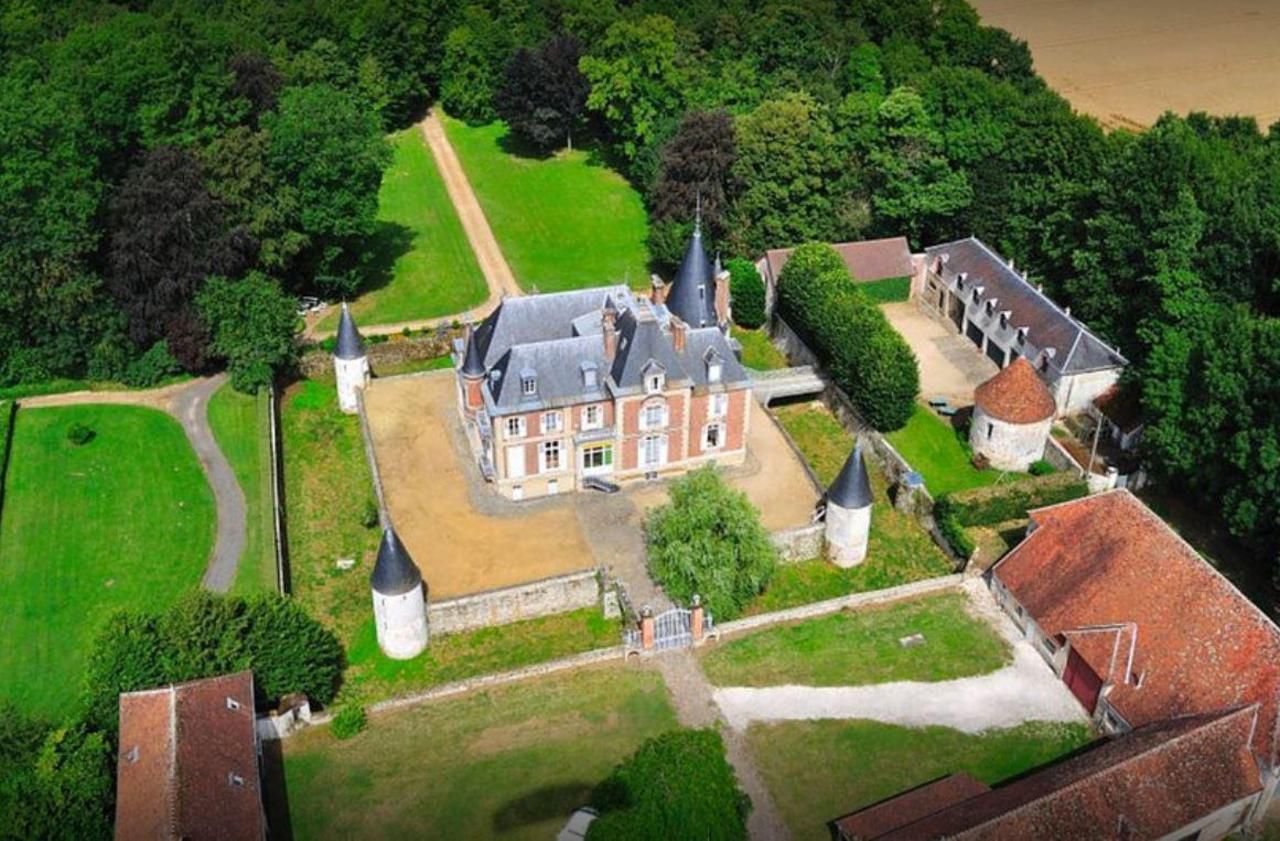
[172,172]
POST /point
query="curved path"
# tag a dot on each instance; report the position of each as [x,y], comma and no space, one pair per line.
[189,403]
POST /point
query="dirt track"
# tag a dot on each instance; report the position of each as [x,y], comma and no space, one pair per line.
[1128,61]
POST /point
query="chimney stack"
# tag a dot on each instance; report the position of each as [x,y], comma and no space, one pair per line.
[658,290]
[609,329]
[722,298]
[679,334]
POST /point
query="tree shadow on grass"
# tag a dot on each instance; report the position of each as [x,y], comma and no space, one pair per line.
[275,791]
[520,147]
[543,804]
[389,242]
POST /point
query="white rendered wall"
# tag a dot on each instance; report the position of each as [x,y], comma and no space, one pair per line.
[847,532]
[351,375]
[1075,393]
[401,623]
[1010,446]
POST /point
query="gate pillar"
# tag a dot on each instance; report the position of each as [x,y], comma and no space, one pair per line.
[695,618]
[646,628]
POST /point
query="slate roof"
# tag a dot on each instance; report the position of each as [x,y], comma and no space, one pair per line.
[1075,350]
[867,260]
[692,294]
[179,746]
[350,345]
[541,318]
[851,489]
[1143,785]
[1016,394]
[394,573]
[1167,631]
[908,807]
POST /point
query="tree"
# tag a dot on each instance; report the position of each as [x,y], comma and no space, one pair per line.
[746,289]
[635,80]
[544,93]
[677,785]
[470,71]
[708,541]
[252,323]
[256,80]
[697,170]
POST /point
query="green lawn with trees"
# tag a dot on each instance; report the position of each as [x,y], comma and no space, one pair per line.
[242,425]
[511,762]
[423,265]
[853,648]
[125,519]
[937,451]
[563,221]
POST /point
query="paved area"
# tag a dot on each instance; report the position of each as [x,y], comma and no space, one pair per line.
[950,365]
[188,402]
[1025,690]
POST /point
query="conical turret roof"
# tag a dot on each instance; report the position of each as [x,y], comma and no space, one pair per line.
[350,345]
[852,488]
[472,364]
[395,572]
[1016,395]
[692,293]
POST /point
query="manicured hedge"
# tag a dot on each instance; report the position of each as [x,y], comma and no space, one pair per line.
[868,359]
[8,410]
[746,291]
[998,503]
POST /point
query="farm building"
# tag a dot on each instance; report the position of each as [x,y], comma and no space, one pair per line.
[971,289]
[867,261]
[188,764]
[1012,413]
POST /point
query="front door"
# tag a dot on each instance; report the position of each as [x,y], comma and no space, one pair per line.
[515,462]
[1082,680]
[597,459]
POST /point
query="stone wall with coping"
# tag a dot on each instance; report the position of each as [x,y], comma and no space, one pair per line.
[798,544]
[559,594]
[1058,456]
[396,350]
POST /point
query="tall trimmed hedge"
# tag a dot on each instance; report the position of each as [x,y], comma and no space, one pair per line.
[868,359]
[998,503]
[746,290]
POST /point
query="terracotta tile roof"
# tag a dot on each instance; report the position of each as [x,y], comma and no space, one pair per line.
[188,765]
[1016,394]
[908,807]
[868,260]
[1145,784]
[1171,635]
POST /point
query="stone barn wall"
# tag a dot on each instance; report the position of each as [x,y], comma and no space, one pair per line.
[559,594]
[1009,446]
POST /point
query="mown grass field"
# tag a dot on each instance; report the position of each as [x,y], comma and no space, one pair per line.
[510,763]
[423,266]
[757,351]
[861,647]
[126,520]
[821,770]
[564,221]
[933,447]
[887,291]
[242,425]
[899,550]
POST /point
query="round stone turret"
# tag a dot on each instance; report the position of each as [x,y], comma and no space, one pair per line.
[849,512]
[350,363]
[1012,413]
[399,600]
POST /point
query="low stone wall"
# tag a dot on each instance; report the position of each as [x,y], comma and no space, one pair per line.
[798,544]
[559,594]
[790,343]
[1059,457]
[397,349]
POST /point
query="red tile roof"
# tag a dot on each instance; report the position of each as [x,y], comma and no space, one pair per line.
[188,765]
[875,259]
[1016,395]
[908,807]
[1120,405]
[1167,631]
[1143,785]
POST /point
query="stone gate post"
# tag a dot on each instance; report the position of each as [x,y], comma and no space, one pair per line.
[646,628]
[695,618]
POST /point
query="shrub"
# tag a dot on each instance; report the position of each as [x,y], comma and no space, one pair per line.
[369,518]
[1041,468]
[746,291]
[998,503]
[708,540]
[153,367]
[677,785]
[952,530]
[79,434]
[252,322]
[348,722]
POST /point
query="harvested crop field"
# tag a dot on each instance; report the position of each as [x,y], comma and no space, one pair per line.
[1128,61]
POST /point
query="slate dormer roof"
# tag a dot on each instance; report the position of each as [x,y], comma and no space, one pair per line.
[394,573]
[852,488]
[350,345]
[692,295]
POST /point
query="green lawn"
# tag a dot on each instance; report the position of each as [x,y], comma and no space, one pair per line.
[414,366]
[821,770]
[127,520]
[861,647]
[934,448]
[563,222]
[887,291]
[423,264]
[899,550]
[242,425]
[509,763]
[757,351]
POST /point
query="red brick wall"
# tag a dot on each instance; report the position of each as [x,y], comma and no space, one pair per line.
[734,420]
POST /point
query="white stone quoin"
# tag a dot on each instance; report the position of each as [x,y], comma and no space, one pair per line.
[399,600]
[848,517]
[350,362]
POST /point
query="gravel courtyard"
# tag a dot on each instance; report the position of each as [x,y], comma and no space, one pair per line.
[950,366]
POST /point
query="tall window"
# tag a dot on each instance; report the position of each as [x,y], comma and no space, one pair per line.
[719,405]
[550,453]
[597,458]
[515,427]
[653,383]
[529,385]
[552,422]
[592,417]
[713,437]
[653,450]
[653,417]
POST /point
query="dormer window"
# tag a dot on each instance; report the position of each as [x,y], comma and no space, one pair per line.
[655,378]
[131,756]
[528,382]
[1022,335]
[589,375]
[991,307]
[653,383]
[232,703]
[235,779]
[1004,321]
[715,365]
[960,279]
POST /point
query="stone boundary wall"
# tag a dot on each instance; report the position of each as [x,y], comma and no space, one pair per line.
[366,435]
[1060,457]
[849,602]
[395,350]
[798,544]
[559,594]
[277,491]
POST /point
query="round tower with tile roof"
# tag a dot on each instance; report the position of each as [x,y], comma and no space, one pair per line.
[1012,413]
[849,512]
[350,362]
[399,600]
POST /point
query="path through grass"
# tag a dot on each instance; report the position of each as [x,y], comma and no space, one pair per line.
[564,221]
[242,425]
[126,520]
[933,447]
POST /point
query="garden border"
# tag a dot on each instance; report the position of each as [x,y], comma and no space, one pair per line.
[277,491]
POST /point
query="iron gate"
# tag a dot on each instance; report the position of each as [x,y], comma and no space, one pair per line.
[671,629]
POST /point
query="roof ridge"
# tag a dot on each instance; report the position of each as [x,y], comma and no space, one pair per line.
[171,794]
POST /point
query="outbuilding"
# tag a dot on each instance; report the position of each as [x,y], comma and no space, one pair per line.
[1012,413]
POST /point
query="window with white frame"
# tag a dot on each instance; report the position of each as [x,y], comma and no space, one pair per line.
[597,458]
[713,372]
[653,383]
[653,416]
[719,405]
[592,417]
[515,427]
[653,450]
[552,422]
[549,456]
[528,385]
[713,436]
